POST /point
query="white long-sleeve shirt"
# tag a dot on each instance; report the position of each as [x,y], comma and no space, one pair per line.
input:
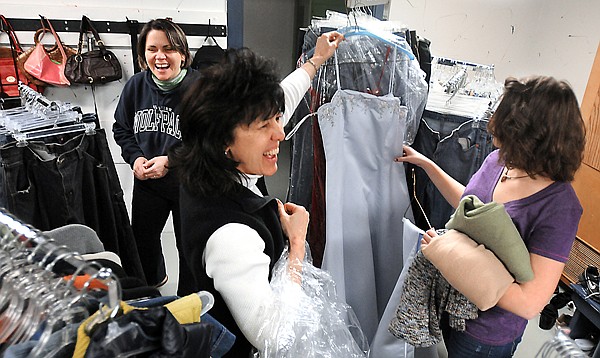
[234,256]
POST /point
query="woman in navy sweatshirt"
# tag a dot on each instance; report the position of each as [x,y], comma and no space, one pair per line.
[146,127]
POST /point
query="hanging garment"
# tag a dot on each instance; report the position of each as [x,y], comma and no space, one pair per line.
[365,65]
[152,333]
[458,145]
[71,179]
[366,197]
[384,344]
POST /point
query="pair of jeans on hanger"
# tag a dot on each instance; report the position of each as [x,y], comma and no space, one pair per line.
[71,179]
[458,145]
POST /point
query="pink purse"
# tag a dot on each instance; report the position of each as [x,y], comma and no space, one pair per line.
[41,66]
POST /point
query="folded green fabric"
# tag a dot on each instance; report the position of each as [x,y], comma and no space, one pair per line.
[489,225]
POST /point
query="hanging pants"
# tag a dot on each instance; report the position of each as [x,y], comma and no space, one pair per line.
[71,179]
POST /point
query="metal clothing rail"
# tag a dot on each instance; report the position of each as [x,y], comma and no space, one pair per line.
[452,62]
[561,346]
[39,117]
[118,27]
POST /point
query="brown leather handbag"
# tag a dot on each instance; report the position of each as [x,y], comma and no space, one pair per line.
[94,66]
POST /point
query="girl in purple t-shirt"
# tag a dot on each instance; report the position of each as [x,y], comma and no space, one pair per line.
[540,134]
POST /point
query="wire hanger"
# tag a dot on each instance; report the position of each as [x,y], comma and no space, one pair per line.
[39,117]
[414,179]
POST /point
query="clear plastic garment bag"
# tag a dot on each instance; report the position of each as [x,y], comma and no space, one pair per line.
[366,197]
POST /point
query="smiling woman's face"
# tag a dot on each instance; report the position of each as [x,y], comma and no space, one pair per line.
[256,146]
[163,59]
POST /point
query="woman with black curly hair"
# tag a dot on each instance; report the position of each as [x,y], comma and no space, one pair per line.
[232,122]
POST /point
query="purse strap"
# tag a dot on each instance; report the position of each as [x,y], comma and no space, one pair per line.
[86,25]
[5,26]
[56,38]
[15,45]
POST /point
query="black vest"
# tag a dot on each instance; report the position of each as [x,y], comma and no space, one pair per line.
[202,216]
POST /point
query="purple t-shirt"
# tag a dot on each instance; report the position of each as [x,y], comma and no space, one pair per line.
[547,222]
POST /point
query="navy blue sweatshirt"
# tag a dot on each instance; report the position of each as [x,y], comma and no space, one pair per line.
[146,118]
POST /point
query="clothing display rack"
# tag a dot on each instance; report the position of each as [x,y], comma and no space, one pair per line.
[40,117]
[451,62]
[560,346]
[35,294]
[462,88]
[42,146]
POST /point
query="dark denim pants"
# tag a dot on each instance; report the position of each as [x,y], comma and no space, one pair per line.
[461,345]
[153,201]
[458,145]
[221,339]
[71,179]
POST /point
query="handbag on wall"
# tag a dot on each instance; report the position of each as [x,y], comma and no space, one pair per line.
[10,74]
[94,66]
[43,64]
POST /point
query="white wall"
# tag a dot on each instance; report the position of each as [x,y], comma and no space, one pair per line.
[520,37]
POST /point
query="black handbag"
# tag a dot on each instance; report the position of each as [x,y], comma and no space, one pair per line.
[94,66]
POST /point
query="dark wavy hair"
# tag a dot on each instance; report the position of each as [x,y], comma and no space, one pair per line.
[176,38]
[539,128]
[243,88]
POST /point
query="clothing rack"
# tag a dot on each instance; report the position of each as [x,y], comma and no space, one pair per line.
[40,117]
[452,62]
[560,346]
[459,84]
[35,292]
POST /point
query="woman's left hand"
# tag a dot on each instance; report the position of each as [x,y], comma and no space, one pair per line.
[427,236]
[156,167]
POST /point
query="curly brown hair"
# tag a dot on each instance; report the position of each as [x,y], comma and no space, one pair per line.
[538,127]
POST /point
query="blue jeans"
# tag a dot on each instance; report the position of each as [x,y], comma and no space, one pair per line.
[458,145]
[461,345]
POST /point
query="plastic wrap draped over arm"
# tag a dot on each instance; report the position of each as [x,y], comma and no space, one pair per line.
[308,319]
